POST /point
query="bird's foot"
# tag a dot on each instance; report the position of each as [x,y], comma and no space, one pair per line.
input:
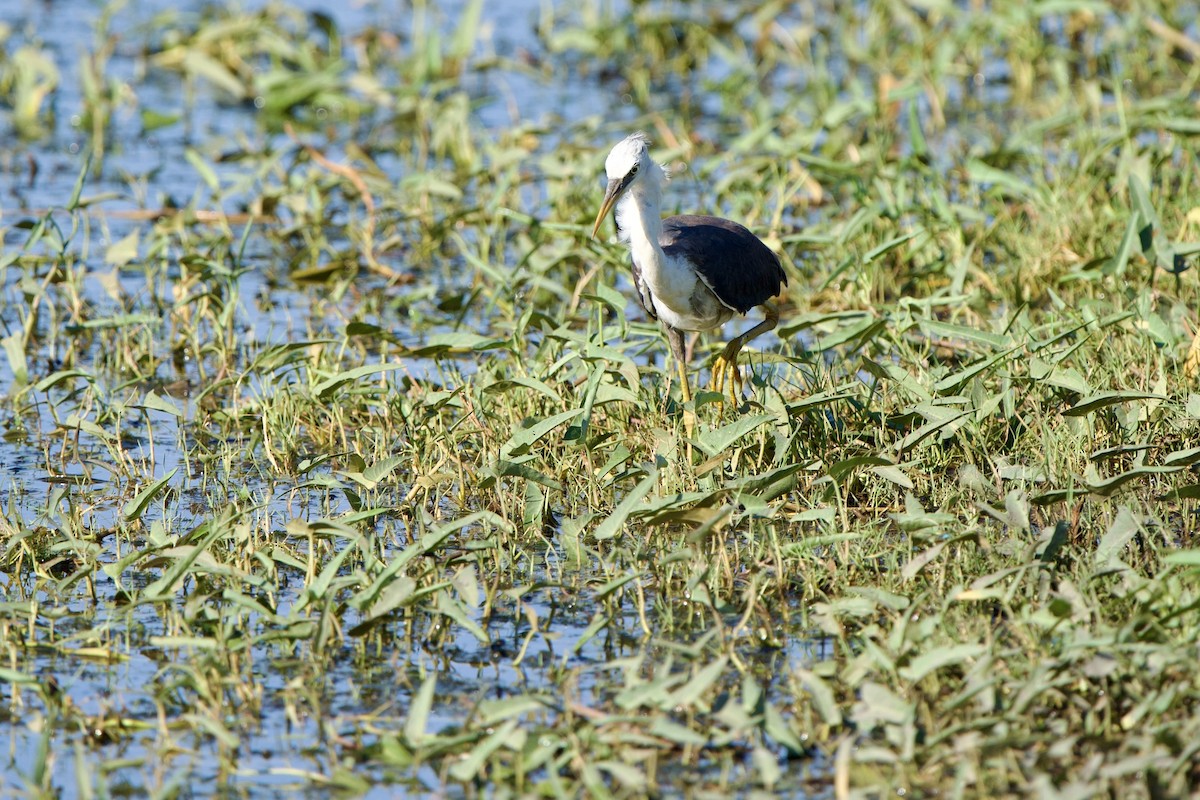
[726,369]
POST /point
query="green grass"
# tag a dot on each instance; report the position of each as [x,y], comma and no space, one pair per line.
[348,462]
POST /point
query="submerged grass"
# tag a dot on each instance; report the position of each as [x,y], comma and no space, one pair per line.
[345,462]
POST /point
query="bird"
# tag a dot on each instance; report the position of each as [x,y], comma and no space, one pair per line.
[692,272]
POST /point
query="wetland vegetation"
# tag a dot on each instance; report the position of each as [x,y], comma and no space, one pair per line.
[336,457]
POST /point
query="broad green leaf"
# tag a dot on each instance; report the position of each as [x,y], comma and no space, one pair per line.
[429,183]
[1183,558]
[16,677]
[766,765]
[213,727]
[809,544]
[153,119]
[452,608]
[56,378]
[208,532]
[319,588]
[1058,376]
[77,192]
[153,402]
[821,696]
[718,440]
[417,724]
[523,439]
[397,593]
[893,474]
[1188,126]
[203,169]
[1145,209]
[895,374]
[1110,485]
[1120,259]
[882,597]
[122,252]
[383,468]
[513,469]
[189,642]
[775,726]
[201,64]
[358,328]
[136,507]
[508,384]
[951,383]
[467,32]
[879,704]
[428,543]
[607,295]
[939,657]
[328,387]
[916,135]
[454,342]
[689,694]
[948,330]
[611,526]
[944,420]
[628,776]
[756,483]
[841,469]
[1189,492]
[578,434]
[889,245]
[921,560]
[118,321]
[1182,458]
[599,622]
[507,735]
[818,400]
[1104,399]
[492,711]
[14,348]
[863,330]
[1054,541]
[676,733]
[1119,534]
[1006,182]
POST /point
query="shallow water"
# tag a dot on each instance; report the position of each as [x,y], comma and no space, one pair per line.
[149,171]
[375,674]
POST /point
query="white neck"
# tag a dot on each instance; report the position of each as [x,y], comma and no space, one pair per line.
[671,281]
[640,221]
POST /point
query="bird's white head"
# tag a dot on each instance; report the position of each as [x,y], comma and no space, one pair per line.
[630,168]
[629,155]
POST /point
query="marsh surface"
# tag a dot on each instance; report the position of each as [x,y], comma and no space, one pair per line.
[335,456]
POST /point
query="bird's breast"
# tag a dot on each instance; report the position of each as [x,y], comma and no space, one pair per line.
[699,311]
[681,299]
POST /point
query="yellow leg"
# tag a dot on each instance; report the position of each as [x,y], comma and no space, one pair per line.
[726,363]
[689,420]
[679,350]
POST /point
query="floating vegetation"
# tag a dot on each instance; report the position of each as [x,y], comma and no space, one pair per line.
[335,454]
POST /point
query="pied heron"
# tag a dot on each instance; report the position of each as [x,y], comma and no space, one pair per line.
[691,272]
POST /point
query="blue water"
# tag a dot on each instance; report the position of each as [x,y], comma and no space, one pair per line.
[296,742]
[514,81]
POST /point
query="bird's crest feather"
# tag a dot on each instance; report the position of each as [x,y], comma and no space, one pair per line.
[640,140]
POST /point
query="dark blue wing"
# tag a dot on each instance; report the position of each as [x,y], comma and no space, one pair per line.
[739,269]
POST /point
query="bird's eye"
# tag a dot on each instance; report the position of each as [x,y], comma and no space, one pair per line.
[634,170]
